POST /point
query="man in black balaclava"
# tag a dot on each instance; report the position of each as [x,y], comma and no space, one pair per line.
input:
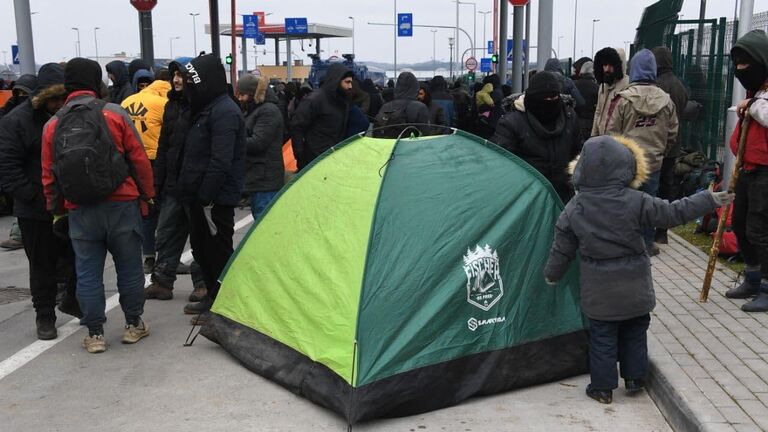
[321,120]
[121,82]
[543,131]
[21,91]
[750,209]
[210,178]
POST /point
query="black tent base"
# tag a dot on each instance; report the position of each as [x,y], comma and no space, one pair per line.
[413,392]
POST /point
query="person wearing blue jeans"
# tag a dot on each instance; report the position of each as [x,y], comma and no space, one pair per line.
[260,201]
[114,227]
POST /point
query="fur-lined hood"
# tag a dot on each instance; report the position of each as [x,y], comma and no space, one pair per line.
[609,160]
[50,92]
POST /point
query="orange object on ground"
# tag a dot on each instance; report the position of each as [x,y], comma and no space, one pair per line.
[288,159]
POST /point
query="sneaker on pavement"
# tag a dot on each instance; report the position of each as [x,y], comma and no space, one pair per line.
[634,385]
[158,291]
[133,333]
[748,288]
[149,265]
[46,327]
[95,344]
[653,249]
[759,304]
[661,236]
[198,294]
[199,307]
[11,244]
[602,396]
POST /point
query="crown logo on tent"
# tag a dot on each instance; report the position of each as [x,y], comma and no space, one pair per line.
[479,253]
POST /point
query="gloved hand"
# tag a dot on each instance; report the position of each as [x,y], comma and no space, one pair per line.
[61,226]
[722,198]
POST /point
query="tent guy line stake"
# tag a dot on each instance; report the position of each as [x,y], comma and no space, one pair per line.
[33,350]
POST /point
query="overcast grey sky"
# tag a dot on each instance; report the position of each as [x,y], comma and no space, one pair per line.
[118,22]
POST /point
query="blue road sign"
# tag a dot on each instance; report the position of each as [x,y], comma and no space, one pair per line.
[260,39]
[490,47]
[485,64]
[296,26]
[15,54]
[405,24]
[250,26]
[511,47]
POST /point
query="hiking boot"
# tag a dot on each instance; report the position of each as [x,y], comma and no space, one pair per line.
[183,269]
[199,307]
[661,236]
[46,327]
[95,344]
[70,306]
[149,264]
[653,249]
[602,396]
[11,244]
[200,319]
[199,293]
[759,304]
[634,385]
[748,288]
[133,333]
[158,291]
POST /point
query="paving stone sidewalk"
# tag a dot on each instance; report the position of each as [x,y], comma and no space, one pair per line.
[709,361]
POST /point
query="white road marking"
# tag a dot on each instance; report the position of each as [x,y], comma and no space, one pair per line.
[30,352]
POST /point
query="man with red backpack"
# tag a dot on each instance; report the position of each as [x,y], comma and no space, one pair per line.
[750,209]
[95,171]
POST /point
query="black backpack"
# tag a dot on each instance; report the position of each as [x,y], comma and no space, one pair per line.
[86,163]
[391,120]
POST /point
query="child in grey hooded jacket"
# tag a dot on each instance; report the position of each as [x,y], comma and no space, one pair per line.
[604,223]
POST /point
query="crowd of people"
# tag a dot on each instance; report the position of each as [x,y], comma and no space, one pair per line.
[137,168]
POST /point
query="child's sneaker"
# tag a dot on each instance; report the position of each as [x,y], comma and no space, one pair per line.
[602,396]
[133,333]
[95,344]
[634,385]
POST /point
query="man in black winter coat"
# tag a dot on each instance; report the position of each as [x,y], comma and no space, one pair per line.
[668,81]
[21,91]
[210,177]
[264,168]
[21,134]
[543,131]
[172,223]
[406,106]
[121,82]
[588,88]
[321,120]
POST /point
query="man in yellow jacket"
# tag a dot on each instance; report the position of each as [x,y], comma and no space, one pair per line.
[146,109]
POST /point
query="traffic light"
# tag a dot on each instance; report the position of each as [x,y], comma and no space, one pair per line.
[228,59]
[494,58]
[471,77]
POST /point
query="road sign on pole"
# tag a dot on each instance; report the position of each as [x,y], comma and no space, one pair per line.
[518,2]
[250,26]
[15,54]
[144,5]
[511,46]
[471,63]
[485,65]
[296,26]
[260,39]
[262,18]
[405,24]
[490,47]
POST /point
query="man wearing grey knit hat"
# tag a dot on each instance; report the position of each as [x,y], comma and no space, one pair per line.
[264,168]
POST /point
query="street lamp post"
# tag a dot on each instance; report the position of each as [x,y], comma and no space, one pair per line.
[484,14]
[96,43]
[353,34]
[593,37]
[171,43]
[77,51]
[434,60]
[575,21]
[450,45]
[474,20]
[194,33]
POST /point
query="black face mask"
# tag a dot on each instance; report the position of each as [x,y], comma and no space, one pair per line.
[753,77]
[544,110]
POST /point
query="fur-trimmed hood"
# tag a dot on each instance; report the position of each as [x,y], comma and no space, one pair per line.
[50,92]
[608,161]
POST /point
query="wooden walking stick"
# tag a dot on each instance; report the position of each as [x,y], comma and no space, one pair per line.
[715,251]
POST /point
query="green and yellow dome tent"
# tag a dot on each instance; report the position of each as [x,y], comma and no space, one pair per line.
[394,277]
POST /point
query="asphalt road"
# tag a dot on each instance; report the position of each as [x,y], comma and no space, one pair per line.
[160,385]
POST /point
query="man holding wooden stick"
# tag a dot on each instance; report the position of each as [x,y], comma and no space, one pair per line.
[750,208]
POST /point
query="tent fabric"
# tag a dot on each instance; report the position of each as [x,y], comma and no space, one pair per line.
[393,277]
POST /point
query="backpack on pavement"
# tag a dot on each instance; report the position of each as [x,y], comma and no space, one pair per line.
[86,162]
